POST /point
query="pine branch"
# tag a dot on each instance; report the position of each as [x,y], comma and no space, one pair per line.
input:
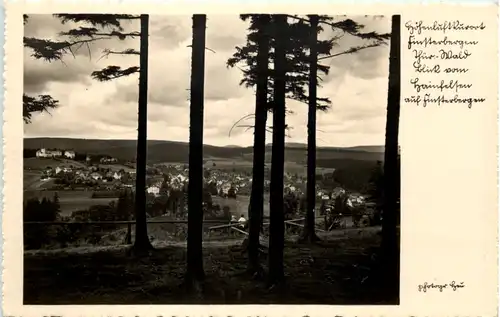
[251,116]
[101,20]
[297,68]
[287,129]
[42,103]
[114,72]
[94,32]
[208,49]
[348,26]
[245,117]
[49,50]
[129,51]
[350,51]
[374,36]
[269,129]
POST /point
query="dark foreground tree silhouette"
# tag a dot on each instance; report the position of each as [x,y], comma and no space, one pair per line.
[277,226]
[194,272]
[347,26]
[142,242]
[309,233]
[298,65]
[89,34]
[256,210]
[390,237]
[255,57]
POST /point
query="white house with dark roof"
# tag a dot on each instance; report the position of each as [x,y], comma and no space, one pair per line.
[69,154]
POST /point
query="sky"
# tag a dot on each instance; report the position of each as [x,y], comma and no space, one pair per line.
[356,85]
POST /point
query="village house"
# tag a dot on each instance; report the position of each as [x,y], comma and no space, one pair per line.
[225,188]
[109,174]
[82,176]
[48,153]
[154,190]
[47,172]
[70,154]
[117,176]
[67,169]
[337,191]
[96,176]
[81,173]
[356,199]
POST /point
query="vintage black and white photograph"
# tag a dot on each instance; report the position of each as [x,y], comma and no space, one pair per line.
[211,159]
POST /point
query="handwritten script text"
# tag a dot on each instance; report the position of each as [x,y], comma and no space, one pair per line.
[441,52]
[452,286]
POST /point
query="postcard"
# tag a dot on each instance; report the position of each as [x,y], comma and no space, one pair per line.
[250,160]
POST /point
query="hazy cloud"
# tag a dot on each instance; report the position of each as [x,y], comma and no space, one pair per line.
[357,86]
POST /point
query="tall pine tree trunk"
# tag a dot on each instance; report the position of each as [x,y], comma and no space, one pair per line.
[256,211]
[309,234]
[195,187]
[142,242]
[390,239]
[277,226]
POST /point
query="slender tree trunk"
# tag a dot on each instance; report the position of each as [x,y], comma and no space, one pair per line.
[309,233]
[195,272]
[277,226]
[256,211]
[390,239]
[142,242]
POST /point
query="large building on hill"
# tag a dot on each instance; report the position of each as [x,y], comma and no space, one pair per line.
[48,153]
[108,159]
[55,153]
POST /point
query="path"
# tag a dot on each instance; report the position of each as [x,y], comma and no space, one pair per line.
[36,184]
[337,234]
[156,244]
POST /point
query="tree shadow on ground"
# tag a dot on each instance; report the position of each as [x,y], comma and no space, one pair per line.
[341,271]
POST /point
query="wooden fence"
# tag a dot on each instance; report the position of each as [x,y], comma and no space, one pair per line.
[129,224]
[224,224]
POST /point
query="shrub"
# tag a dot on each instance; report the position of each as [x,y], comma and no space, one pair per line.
[44,210]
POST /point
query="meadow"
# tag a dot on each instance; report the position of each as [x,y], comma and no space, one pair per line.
[117,167]
[38,164]
[70,200]
[240,164]
[30,177]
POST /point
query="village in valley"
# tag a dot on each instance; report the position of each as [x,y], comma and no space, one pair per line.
[86,182]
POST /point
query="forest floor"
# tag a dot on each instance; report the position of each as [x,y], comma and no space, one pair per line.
[342,269]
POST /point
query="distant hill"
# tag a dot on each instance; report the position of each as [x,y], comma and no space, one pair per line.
[170,151]
[368,148]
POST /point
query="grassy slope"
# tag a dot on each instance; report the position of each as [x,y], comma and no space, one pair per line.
[334,272]
[70,200]
[34,163]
